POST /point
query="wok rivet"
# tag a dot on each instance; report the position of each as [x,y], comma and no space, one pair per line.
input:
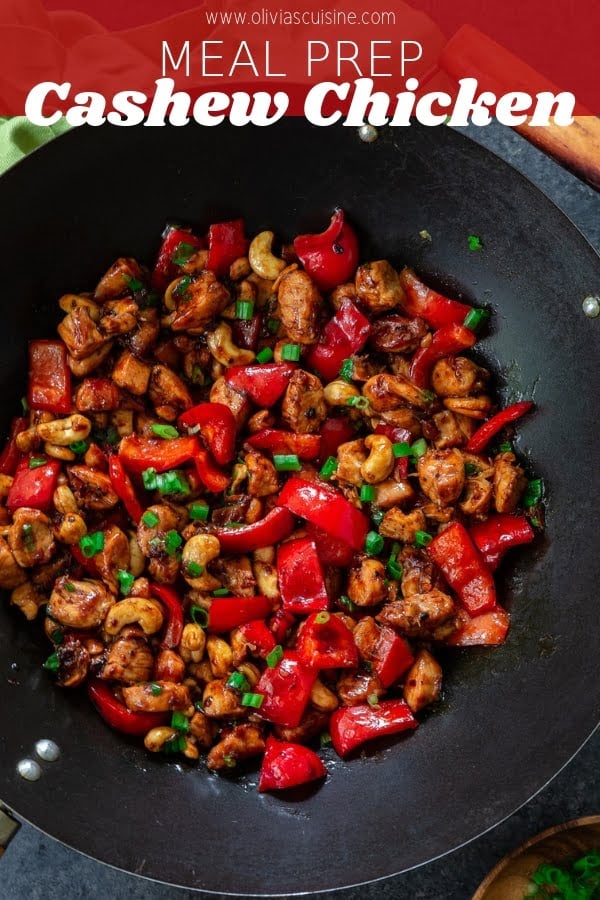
[368,133]
[47,750]
[591,307]
[29,769]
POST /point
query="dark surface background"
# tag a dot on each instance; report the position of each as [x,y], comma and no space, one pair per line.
[37,867]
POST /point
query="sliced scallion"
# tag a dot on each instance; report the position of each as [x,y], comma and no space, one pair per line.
[273,325]
[373,700]
[505,447]
[221,592]
[329,467]
[393,566]
[52,663]
[286,462]
[199,616]
[90,544]
[180,722]
[347,603]
[155,689]
[347,370]
[322,618]
[78,447]
[150,518]
[252,700]
[423,538]
[401,449]
[373,543]
[244,309]
[238,681]
[274,656]
[265,356]
[533,493]
[367,493]
[36,461]
[150,479]
[173,540]
[183,253]
[165,431]
[125,580]
[199,511]
[291,352]
[357,402]
[419,448]
[193,569]
[475,318]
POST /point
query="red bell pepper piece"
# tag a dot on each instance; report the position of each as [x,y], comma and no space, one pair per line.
[353,725]
[116,713]
[33,487]
[259,636]
[286,690]
[10,454]
[335,431]
[275,526]
[49,377]
[392,656]
[246,332]
[123,488]
[300,576]
[497,534]
[330,257]
[264,384]
[489,429]
[174,618]
[488,629]
[401,468]
[436,309]
[138,453]
[343,335]
[395,433]
[165,269]
[86,562]
[331,550]
[446,341]
[287,765]
[326,643]
[226,243]
[213,478]
[226,613]
[280,624]
[217,426]
[305,446]
[323,506]
[464,568]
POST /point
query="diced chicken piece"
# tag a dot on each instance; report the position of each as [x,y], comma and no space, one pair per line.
[476,497]
[262,475]
[238,403]
[221,702]
[304,408]
[421,615]
[236,573]
[457,376]
[202,729]
[299,306]
[97,395]
[242,742]
[385,392]
[79,604]
[378,287]
[143,338]
[342,292]
[168,393]
[116,282]
[131,374]
[199,302]
[418,573]
[350,457]
[423,681]
[79,332]
[28,598]
[509,483]
[397,334]
[92,489]
[30,537]
[450,434]
[11,573]
[442,475]
[115,555]
[119,317]
[146,698]
[82,367]
[151,537]
[366,583]
[356,687]
[401,526]
[129,660]
[73,662]
[392,493]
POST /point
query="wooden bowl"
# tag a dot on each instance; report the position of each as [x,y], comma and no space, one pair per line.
[510,878]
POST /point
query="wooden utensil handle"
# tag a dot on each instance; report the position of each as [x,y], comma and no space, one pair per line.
[576,146]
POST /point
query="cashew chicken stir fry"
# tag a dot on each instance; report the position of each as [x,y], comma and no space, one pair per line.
[252,494]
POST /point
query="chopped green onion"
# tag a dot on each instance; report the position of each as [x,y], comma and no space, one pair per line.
[180,722]
[165,431]
[36,461]
[197,375]
[52,663]
[401,449]
[325,739]
[244,309]
[221,592]
[274,656]
[273,325]
[238,681]
[134,284]
[423,538]
[393,566]
[155,689]
[24,405]
[125,580]
[183,253]
[147,299]
[286,462]
[535,522]
[475,318]
[194,570]
[471,469]
[533,493]
[373,700]
[182,286]
[347,370]
[69,587]
[176,744]
[172,482]
[424,234]
[329,467]
[474,242]
[419,448]
[357,402]
[505,447]
[322,618]
[265,355]
[28,537]
[149,479]
[78,446]
[199,616]
[347,603]
[233,524]
[229,761]
[90,544]
[367,493]
[373,543]
[57,636]
[108,435]
[199,706]
[291,352]
[377,515]
[150,518]
[253,700]
[199,511]
[173,540]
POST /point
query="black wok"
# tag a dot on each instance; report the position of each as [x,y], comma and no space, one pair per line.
[511,717]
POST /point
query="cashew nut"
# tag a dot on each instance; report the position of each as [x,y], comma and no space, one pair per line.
[261,259]
[224,350]
[147,613]
[322,697]
[170,299]
[58,452]
[65,431]
[137,562]
[70,302]
[220,655]
[380,462]
[64,500]
[71,529]
[471,407]
[5,484]
[200,550]
[337,393]
[251,673]
[27,440]
[193,642]
[158,737]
